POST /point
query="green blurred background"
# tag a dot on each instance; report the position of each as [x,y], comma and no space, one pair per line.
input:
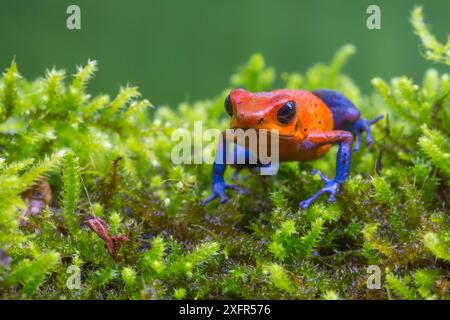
[178,50]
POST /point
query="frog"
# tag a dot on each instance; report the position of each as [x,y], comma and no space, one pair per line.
[308,124]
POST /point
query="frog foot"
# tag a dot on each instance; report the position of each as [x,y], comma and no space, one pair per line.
[218,191]
[363,125]
[331,188]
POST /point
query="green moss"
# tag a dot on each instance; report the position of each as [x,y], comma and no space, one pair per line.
[111,158]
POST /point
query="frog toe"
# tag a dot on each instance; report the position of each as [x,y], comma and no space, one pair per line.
[373,121]
[237,188]
[331,188]
[358,142]
[219,192]
[363,125]
[209,199]
[322,176]
[332,198]
[304,204]
[369,139]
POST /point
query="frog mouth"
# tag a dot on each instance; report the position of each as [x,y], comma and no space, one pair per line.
[284,137]
[269,133]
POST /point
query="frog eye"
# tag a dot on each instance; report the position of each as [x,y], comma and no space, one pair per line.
[229,106]
[286,113]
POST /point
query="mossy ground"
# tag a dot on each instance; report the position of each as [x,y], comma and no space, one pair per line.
[111,158]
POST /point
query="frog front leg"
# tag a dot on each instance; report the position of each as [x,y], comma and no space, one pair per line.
[317,139]
[220,164]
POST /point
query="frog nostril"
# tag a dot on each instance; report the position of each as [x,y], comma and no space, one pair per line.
[261,121]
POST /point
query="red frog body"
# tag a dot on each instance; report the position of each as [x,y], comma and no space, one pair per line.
[307,123]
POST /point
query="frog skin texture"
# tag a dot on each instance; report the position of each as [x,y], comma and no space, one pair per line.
[308,124]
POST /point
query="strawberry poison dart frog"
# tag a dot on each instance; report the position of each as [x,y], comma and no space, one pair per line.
[308,125]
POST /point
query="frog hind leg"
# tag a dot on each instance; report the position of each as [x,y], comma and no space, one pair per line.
[363,125]
[346,116]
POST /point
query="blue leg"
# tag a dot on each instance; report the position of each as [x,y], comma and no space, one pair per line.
[241,159]
[343,162]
